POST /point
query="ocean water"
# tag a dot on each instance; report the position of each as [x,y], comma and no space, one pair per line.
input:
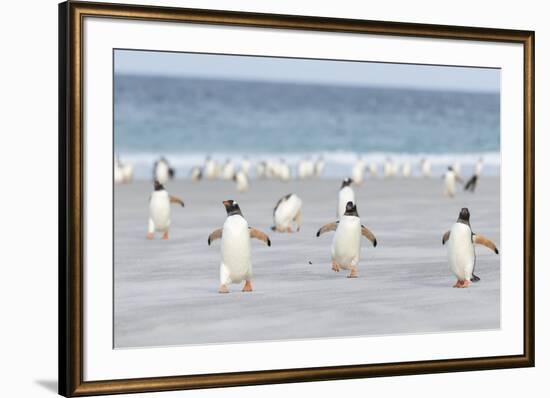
[186,119]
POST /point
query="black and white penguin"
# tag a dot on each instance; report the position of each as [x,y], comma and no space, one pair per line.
[451,178]
[425,167]
[345,195]
[472,182]
[159,211]
[358,171]
[211,168]
[196,173]
[460,249]
[162,171]
[228,170]
[287,211]
[346,244]
[241,181]
[236,263]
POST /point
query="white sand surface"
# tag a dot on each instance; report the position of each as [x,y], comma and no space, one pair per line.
[166,291]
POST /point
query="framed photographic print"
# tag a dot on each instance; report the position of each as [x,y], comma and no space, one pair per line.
[253,199]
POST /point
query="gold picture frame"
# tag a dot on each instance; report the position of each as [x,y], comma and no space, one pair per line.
[71,237]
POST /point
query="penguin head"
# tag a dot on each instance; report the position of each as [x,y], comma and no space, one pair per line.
[346,183]
[351,209]
[158,186]
[450,168]
[464,215]
[232,207]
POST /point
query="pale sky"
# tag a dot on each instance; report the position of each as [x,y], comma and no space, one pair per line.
[307,71]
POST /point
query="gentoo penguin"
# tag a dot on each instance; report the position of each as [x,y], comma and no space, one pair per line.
[471,183]
[242,181]
[210,168]
[261,169]
[346,244]
[284,171]
[460,249]
[236,264]
[406,170]
[123,172]
[245,166]
[302,172]
[319,166]
[373,169]
[451,179]
[425,168]
[127,172]
[196,174]
[479,167]
[358,171]
[306,168]
[345,195]
[159,211]
[457,167]
[287,211]
[228,170]
[389,168]
[162,171]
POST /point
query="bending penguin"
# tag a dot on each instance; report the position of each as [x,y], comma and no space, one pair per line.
[159,211]
[236,264]
[345,195]
[346,244]
[287,211]
[460,249]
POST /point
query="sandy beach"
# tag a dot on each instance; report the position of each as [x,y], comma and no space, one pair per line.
[166,291]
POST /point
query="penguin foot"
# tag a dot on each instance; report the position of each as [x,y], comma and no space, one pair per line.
[353,273]
[150,235]
[247,287]
[223,289]
[335,267]
[289,230]
[461,284]
[165,236]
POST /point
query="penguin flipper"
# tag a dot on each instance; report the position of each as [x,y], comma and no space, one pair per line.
[369,235]
[217,234]
[328,227]
[257,234]
[481,240]
[175,199]
[445,237]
